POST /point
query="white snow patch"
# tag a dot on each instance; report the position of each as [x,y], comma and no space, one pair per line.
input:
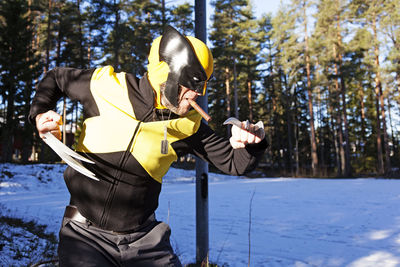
[377,259]
[294,222]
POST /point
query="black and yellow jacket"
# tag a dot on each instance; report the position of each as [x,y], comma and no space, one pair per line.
[122,134]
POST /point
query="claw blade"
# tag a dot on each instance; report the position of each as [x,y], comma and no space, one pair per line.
[233,121]
[65,153]
[61,147]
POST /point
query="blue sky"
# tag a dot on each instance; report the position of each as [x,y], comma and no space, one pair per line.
[265,6]
[259,6]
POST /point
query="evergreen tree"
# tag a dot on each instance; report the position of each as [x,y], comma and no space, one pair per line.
[286,94]
[18,67]
[330,20]
[391,28]
[95,21]
[223,36]
[182,18]
[371,12]
[248,47]
[267,73]
[147,22]
[301,7]
[361,102]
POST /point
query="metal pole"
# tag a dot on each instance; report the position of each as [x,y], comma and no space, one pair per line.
[201,166]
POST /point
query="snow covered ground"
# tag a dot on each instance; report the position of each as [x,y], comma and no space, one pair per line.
[294,222]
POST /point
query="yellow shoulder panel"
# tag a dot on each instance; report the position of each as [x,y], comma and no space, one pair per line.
[110,92]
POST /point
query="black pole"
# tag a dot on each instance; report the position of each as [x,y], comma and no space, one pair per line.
[201,166]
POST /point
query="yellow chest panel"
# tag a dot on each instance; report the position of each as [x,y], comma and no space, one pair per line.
[113,130]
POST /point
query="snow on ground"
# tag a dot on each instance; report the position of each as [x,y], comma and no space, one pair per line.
[294,222]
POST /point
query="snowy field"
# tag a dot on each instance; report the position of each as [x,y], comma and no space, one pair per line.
[294,222]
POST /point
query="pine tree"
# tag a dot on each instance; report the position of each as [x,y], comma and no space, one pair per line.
[289,102]
[330,20]
[391,28]
[182,18]
[248,46]
[268,75]
[225,35]
[301,7]
[29,76]
[18,68]
[359,73]
[95,14]
[371,13]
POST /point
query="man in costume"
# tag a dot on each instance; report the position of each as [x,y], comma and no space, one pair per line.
[134,129]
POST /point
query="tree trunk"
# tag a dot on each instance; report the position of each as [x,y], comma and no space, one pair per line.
[289,127]
[163,17]
[47,64]
[228,97]
[340,154]
[347,164]
[116,35]
[59,41]
[337,151]
[313,142]
[339,116]
[388,165]
[378,135]
[228,92]
[81,44]
[380,100]
[89,50]
[322,163]
[64,126]
[391,126]
[398,84]
[27,130]
[363,130]
[250,100]
[296,141]
[335,131]
[235,92]
[9,131]
[7,142]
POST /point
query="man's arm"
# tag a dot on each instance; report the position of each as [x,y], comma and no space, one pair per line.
[58,82]
[74,83]
[220,152]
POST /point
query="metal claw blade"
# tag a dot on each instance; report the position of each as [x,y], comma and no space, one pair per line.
[237,123]
[233,121]
[61,147]
[259,126]
[68,155]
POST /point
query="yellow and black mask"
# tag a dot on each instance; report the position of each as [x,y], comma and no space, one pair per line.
[178,60]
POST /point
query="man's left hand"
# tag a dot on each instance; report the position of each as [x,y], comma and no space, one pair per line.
[242,137]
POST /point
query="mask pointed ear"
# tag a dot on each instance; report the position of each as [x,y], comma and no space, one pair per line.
[184,67]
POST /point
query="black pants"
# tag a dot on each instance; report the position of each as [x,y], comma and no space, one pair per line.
[81,244]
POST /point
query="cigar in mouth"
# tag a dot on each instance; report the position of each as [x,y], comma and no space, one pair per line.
[199,110]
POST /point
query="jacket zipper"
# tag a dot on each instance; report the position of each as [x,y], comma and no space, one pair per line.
[117,179]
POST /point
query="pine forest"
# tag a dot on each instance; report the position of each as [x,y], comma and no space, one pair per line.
[322,75]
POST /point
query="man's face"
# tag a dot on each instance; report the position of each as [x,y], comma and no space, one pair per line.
[185,94]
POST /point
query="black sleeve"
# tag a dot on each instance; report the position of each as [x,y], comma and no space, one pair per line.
[219,152]
[74,83]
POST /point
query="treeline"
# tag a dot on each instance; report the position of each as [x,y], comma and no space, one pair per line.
[322,75]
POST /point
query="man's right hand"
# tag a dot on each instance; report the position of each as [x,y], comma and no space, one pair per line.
[49,121]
